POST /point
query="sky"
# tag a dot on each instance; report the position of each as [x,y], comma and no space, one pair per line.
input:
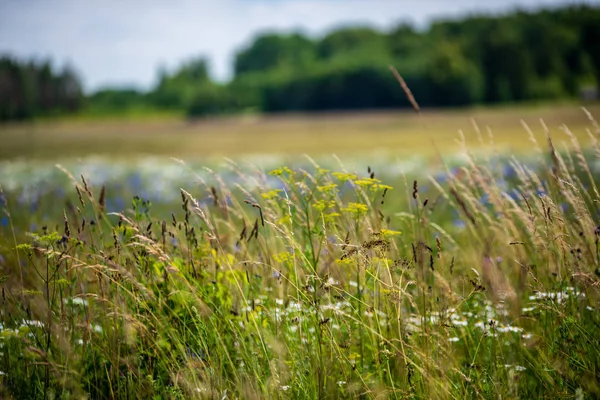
[123,43]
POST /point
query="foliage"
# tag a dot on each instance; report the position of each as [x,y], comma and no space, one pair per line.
[478,59]
[271,50]
[34,88]
[535,55]
[114,100]
[453,79]
[177,90]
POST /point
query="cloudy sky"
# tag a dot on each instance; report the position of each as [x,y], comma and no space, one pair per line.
[113,42]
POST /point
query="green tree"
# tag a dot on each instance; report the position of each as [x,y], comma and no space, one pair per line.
[270,51]
[405,42]
[32,88]
[361,41]
[452,78]
[114,99]
[176,90]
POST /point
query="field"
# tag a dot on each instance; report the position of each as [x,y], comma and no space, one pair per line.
[397,133]
[412,266]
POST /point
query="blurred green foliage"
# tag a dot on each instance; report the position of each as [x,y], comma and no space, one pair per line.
[30,89]
[543,55]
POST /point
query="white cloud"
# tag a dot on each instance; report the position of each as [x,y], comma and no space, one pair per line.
[112,42]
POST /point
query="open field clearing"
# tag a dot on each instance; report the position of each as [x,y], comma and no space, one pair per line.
[352,200]
[354,134]
[391,272]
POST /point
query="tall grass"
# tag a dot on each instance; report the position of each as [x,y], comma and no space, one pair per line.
[483,283]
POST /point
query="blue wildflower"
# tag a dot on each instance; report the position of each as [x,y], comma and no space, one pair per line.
[206,201]
[485,199]
[59,192]
[508,171]
[514,194]
[459,223]
[22,199]
[502,184]
[135,181]
[110,206]
[119,203]
[441,178]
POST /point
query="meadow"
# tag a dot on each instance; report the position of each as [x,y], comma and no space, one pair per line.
[397,133]
[420,262]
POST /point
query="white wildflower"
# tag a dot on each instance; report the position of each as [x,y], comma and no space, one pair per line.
[509,328]
[516,367]
[332,282]
[294,306]
[32,322]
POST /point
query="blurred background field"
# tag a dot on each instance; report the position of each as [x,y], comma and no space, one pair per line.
[352,134]
[320,84]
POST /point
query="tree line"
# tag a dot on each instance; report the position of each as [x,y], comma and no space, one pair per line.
[542,55]
[35,88]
